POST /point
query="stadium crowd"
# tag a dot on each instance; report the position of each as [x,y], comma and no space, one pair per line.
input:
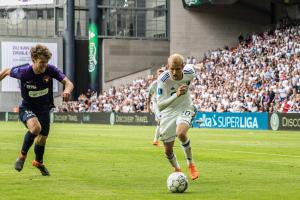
[260,74]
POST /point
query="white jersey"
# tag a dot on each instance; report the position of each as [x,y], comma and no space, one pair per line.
[166,87]
[152,93]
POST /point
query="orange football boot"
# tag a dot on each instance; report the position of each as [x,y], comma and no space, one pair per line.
[193,172]
[156,143]
[44,171]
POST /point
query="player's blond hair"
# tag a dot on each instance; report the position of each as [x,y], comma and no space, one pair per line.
[176,59]
[40,52]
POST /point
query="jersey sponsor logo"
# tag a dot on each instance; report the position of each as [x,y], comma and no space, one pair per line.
[39,93]
[31,87]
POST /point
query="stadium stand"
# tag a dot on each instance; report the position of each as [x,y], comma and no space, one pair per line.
[260,74]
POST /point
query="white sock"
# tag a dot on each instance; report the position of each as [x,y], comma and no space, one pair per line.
[187,151]
[156,135]
[173,160]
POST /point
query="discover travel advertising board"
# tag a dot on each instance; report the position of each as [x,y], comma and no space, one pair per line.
[284,121]
[136,119]
[231,120]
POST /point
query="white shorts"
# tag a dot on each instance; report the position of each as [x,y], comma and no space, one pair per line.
[169,122]
[156,112]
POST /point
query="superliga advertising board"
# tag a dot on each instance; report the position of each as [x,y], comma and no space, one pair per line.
[24,2]
[231,120]
[18,53]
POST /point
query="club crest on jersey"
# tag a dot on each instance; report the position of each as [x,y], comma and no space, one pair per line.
[46,79]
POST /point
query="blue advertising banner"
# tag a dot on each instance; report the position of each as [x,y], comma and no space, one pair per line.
[231,120]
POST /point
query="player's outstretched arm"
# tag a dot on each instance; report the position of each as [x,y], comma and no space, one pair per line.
[5,72]
[68,85]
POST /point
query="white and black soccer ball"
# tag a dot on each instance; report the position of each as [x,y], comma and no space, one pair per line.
[177,182]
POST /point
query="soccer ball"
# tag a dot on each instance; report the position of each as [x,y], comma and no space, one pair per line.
[177,182]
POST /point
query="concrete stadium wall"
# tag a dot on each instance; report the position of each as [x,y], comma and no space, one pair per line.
[8,100]
[280,9]
[195,32]
[261,4]
[125,57]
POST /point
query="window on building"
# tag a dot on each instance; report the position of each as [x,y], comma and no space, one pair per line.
[40,14]
[50,14]
[159,11]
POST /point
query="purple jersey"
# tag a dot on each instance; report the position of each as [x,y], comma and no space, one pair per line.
[37,89]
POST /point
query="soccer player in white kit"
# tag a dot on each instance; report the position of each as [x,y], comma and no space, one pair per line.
[152,98]
[176,109]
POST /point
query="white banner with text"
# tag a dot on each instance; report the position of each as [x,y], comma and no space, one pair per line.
[18,53]
[24,2]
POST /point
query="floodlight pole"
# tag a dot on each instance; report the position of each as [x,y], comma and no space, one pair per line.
[69,40]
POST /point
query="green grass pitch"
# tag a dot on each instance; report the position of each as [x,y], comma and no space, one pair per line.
[119,162]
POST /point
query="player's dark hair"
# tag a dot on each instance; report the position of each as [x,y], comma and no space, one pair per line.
[40,52]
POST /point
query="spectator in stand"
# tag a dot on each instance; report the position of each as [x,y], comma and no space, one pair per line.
[260,74]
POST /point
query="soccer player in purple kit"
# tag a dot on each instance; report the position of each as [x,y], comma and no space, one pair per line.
[37,94]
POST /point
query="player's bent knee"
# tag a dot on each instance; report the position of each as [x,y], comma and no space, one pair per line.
[41,140]
[181,135]
[35,130]
[34,126]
